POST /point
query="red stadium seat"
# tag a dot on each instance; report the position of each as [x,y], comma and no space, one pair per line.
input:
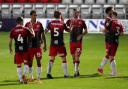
[33,1]
[9,1]
[44,1]
[1,1]
[55,1]
[21,1]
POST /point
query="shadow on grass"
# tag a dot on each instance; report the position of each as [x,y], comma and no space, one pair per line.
[90,75]
[9,83]
[117,77]
[81,76]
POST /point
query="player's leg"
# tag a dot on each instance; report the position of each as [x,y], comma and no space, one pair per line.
[49,68]
[19,71]
[52,54]
[105,59]
[112,59]
[31,52]
[38,59]
[61,50]
[77,61]
[77,58]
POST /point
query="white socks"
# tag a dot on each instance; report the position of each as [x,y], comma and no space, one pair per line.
[25,69]
[76,67]
[19,71]
[31,72]
[113,67]
[104,61]
[65,68]
[50,64]
[38,73]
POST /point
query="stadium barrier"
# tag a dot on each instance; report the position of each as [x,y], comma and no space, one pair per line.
[93,25]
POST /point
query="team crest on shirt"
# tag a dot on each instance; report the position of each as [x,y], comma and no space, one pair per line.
[38,26]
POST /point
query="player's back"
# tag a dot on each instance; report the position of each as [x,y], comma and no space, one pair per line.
[56,28]
[20,35]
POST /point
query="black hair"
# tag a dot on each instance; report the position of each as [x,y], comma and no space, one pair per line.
[19,19]
[114,13]
[32,11]
[108,9]
[57,14]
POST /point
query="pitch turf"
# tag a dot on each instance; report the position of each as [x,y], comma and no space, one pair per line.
[93,52]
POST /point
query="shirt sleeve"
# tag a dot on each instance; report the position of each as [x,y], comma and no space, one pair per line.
[11,34]
[84,25]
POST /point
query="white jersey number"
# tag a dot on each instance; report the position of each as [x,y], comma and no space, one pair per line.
[20,38]
[56,33]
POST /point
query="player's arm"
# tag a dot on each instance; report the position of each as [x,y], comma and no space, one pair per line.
[66,28]
[84,31]
[10,43]
[47,28]
[43,39]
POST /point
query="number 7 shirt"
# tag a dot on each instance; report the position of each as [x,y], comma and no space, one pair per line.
[56,28]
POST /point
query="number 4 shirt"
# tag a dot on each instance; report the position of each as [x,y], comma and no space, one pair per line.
[20,35]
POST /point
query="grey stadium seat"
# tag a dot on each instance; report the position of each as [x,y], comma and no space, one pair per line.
[85,11]
[100,1]
[17,10]
[77,1]
[120,9]
[123,1]
[96,11]
[40,10]
[27,9]
[71,7]
[112,1]
[89,2]
[50,8]
[67,1]
[6,11]
[63,9]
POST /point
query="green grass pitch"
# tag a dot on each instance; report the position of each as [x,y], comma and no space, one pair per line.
[92,54]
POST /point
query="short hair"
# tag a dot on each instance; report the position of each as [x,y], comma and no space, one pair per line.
[57,14]
[114,13]
[108,9]
[32,11]
[19,19]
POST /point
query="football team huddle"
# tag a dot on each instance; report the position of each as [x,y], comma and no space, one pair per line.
[30,39]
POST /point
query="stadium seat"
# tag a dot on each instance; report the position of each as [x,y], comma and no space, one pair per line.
[96,11]
[63,9]
[17,10]
[123,1]
[40,10]
[112,1]
[120,9]
[71,7]
[27,9]
[100,1]
[21,1]
[85,11]
[55,1]
[32,1]
[9,1]
[6,11]
[89,2]
[44,1]
[77,1]
[50,8]
[1,1]
[67,1]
